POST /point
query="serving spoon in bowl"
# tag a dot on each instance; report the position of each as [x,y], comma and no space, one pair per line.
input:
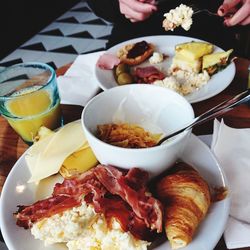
[216,111]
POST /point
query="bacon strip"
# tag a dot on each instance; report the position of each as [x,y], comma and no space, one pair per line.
[148,74]
[66,195]
[111,192]
[144,206]
[27,215]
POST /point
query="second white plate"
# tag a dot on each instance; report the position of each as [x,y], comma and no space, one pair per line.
[166,45]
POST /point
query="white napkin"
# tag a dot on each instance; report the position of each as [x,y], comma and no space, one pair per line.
[232,149]
[79,84]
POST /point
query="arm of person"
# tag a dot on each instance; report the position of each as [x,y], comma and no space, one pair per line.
[116,10]
[235,12]
[137,10]
[107,9]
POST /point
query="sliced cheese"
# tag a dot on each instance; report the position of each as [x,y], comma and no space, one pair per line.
[78,162]
[46,157]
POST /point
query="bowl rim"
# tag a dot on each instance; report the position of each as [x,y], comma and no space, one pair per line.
[173,141]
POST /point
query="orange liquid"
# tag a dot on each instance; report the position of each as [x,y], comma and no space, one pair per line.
[33,111]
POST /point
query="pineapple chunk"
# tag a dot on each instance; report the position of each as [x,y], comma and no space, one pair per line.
[180,62]
[216,61]
[193,50]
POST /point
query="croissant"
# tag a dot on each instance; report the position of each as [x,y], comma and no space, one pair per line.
[186,198]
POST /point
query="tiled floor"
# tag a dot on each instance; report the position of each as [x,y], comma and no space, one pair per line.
[76,32]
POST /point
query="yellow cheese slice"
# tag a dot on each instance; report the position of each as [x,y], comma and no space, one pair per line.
[46,157]
[78,162]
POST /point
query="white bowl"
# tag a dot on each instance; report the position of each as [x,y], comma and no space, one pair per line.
[149,106]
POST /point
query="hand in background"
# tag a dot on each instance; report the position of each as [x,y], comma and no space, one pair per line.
[235,12]
[137,10]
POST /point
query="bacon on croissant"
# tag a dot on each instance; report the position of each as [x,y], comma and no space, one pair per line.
[186,198]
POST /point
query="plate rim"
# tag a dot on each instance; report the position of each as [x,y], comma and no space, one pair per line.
[188,97]
[226,201]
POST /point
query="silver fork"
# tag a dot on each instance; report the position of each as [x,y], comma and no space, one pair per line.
[216,111]
[195,8]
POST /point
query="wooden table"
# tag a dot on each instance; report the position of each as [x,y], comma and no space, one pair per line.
[12,147]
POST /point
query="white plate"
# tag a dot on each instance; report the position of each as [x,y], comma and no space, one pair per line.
[16,191]
[166,45]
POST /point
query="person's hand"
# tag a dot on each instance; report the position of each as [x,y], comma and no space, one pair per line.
[137,10]
[235,12]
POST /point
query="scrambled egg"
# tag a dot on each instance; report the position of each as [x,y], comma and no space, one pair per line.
[184,82]
[82,229]
[157,57]
[180,16]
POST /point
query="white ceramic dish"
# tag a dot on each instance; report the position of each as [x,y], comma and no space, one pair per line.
[166,45]
[16,191]
[154,108]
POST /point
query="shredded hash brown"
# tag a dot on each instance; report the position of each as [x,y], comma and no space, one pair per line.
[126,135]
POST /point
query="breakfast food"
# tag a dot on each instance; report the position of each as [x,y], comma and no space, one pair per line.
[122,74]
[212,63]
[78,162]
[107,61]
[148,74]
[184,82]
[66,151]
[126,135]
[186,199]
[180,62]
[157,57]
[136,53]
[188,56]
[180,16]
[193,50]
[103,208]
[192,65]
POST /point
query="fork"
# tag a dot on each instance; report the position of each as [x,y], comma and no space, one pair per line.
[223,107]
[194,7]
[197,10]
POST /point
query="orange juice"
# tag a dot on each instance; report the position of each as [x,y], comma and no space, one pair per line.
[32,110]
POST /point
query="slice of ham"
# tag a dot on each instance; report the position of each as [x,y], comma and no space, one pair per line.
[148,74]
[107,61]
[144,205]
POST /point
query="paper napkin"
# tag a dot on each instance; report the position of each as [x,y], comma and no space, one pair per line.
[232,149]
[79,84]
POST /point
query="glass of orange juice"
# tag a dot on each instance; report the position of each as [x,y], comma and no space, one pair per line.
[29,98]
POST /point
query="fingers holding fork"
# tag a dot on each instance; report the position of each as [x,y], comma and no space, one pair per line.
[235,12]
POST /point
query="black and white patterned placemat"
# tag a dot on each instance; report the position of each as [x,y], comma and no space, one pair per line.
[78,31]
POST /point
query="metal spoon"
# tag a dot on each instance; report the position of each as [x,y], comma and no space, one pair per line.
[212,113]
